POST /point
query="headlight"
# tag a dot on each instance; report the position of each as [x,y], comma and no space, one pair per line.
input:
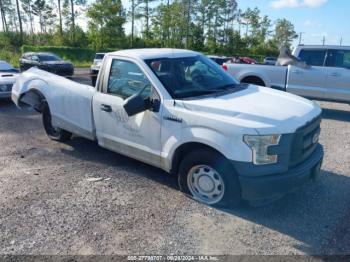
[259,146]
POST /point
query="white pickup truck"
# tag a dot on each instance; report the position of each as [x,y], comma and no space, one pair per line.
[179,111]
[326,78]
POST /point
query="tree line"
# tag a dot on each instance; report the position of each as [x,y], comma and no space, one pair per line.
[211,26]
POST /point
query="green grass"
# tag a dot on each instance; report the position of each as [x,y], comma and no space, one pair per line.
[10,57]
[13,58]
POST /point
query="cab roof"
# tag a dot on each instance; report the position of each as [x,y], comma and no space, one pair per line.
[336,47]
[154,53]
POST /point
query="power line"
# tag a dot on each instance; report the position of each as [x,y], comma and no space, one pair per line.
[300,37]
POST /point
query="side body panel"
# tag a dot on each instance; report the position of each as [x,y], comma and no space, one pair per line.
[273,76]
[137,136]
[331,81]
[308,82]
[338,84]
[338,75]
[69,102]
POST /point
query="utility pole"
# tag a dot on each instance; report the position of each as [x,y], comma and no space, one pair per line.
[300,37]
[341,41]
[323,40]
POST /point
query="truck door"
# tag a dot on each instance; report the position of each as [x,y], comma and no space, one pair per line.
[338,75]
[308,82]
[137,136]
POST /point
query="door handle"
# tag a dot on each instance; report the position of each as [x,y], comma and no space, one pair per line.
[335,74]
[297,72]
[106,108]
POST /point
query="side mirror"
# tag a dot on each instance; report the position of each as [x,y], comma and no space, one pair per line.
[136,104]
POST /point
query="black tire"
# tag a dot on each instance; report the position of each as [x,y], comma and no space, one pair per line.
[231,196]
[54,133]
[253,80]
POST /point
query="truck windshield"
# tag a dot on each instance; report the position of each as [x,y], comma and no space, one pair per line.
[191,76]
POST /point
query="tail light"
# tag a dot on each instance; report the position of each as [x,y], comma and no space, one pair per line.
[224,67]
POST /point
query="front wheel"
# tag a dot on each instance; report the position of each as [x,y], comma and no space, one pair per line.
[209,178]
[55,133]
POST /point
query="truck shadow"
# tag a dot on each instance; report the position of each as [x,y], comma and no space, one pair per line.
[336,114]
[90,151]
[6,103]
[310,215]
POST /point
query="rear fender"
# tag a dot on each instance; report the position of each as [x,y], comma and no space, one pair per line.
[31,91]
[257,75]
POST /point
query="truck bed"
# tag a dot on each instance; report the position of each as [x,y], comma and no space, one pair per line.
[70,103]
[272,76]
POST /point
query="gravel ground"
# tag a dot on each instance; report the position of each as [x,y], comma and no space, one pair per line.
[49,205]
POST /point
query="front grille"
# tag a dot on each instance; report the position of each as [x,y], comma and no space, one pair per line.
[304,143]
[62,70]
[6,88]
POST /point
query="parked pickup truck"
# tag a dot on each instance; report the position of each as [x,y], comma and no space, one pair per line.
[179,111]
[326,78]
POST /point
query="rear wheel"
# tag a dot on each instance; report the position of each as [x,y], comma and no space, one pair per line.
[55,133]
[253,80]
[209,178]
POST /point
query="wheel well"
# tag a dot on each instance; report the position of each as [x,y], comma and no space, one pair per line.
[253,80]
[186,148]
[33,98]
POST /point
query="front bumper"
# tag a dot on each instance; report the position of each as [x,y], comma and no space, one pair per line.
[8,88]
[268,187]
[5,94]
[64,71]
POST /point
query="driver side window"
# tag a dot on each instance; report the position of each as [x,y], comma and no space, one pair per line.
[126,79]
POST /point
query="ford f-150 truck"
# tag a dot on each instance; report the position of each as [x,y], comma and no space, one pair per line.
[179,111]
[327,76]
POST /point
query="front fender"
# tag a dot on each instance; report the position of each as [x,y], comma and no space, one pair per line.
[232,148]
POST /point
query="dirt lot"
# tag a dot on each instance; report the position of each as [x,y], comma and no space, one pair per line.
[48,205]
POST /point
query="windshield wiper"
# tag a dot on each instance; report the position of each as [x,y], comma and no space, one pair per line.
[212,91]
[223,88]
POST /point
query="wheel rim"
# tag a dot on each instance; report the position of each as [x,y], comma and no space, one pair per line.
[206,184]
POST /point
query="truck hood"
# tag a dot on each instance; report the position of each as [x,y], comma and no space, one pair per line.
[8,77]
[266,110]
